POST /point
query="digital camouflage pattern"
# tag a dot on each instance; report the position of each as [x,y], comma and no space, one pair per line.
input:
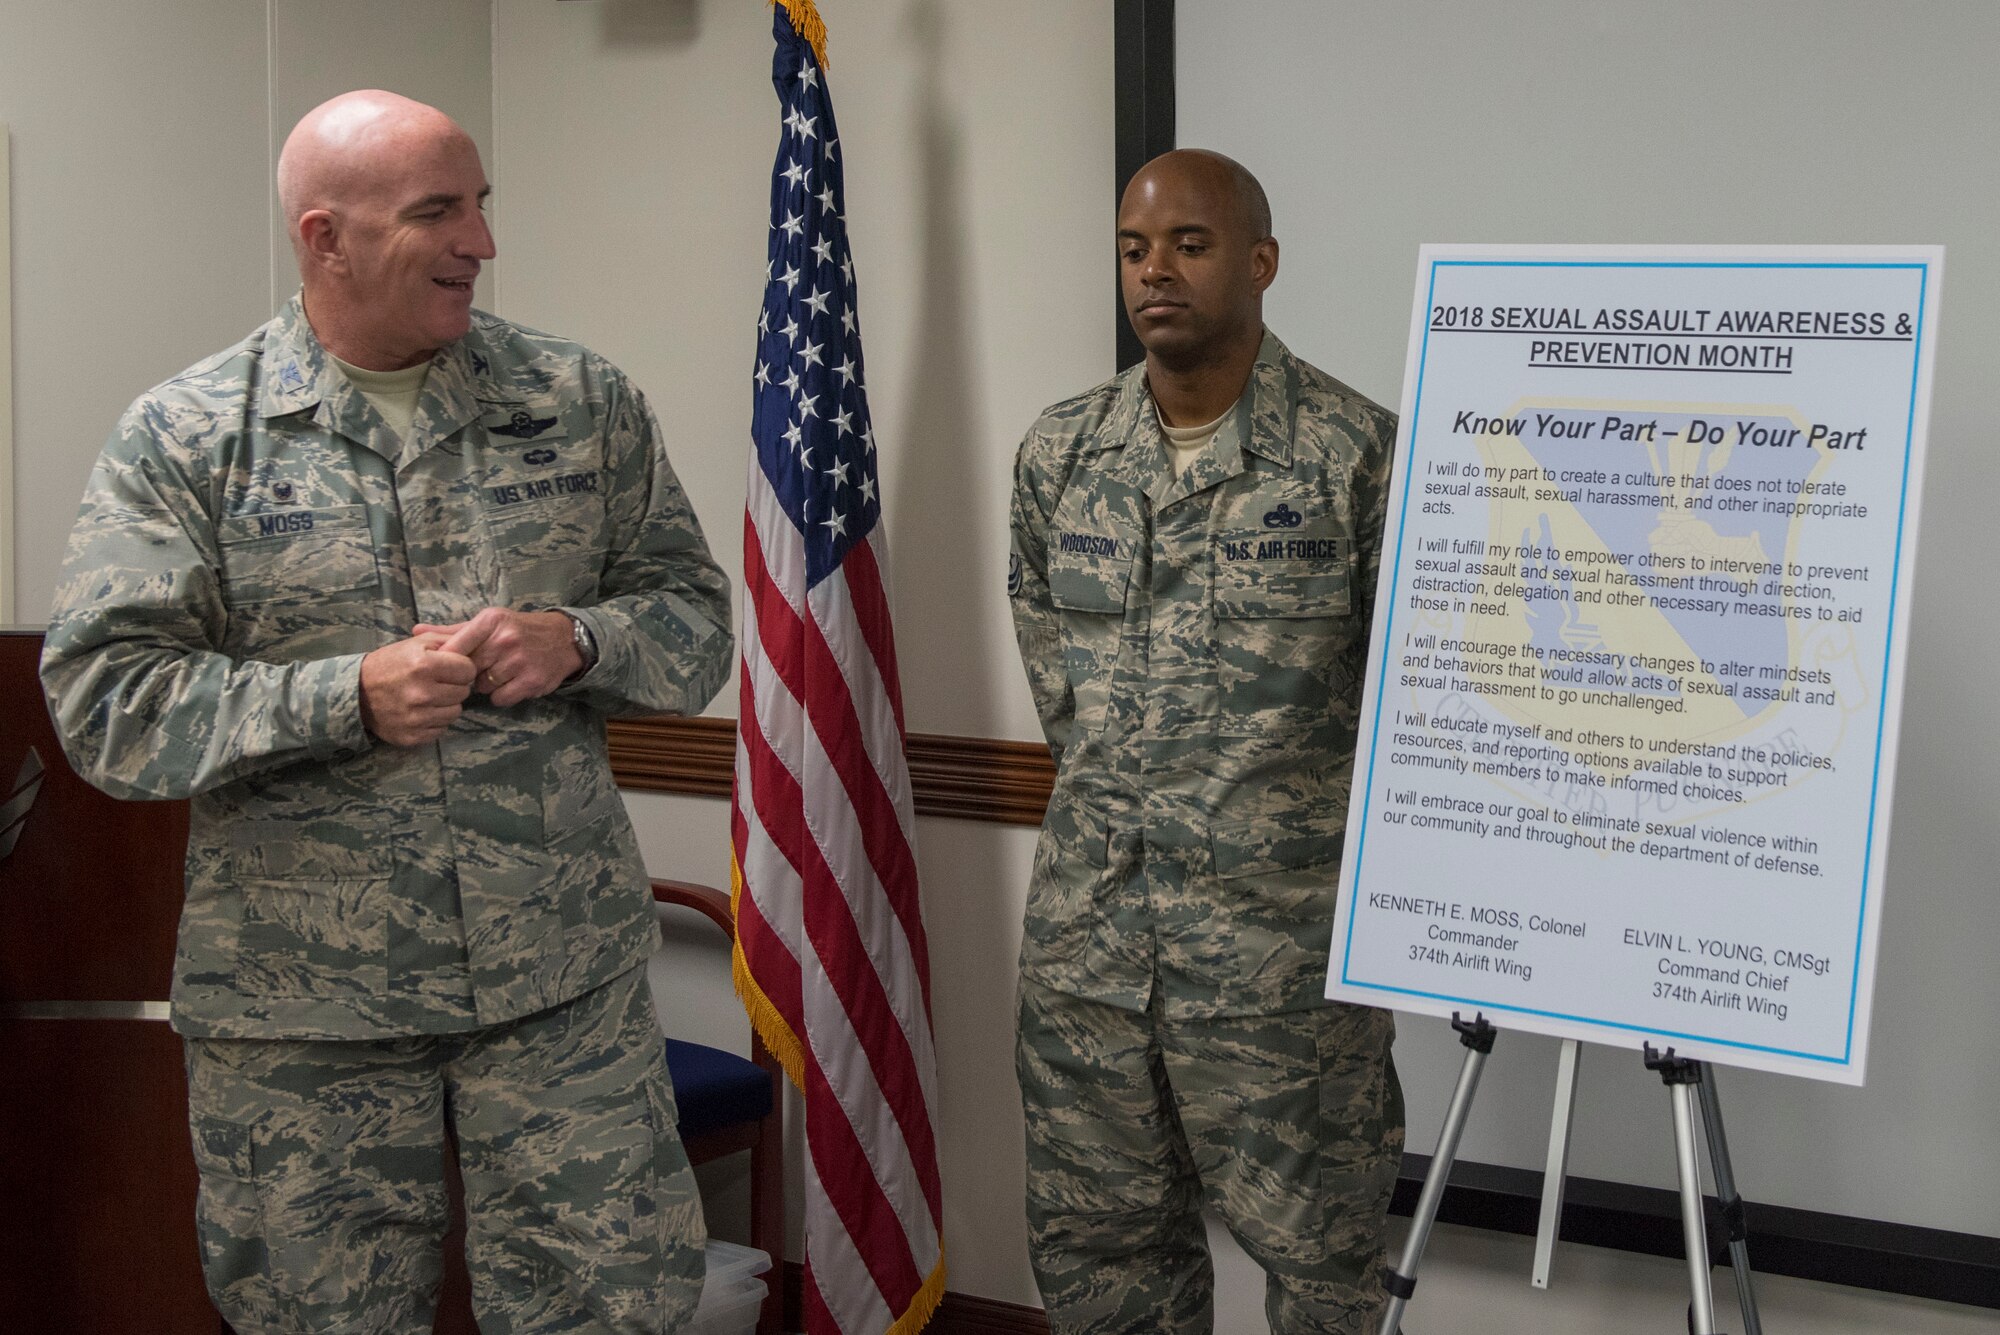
[1195,644]
[322,1189]
[251,530]
[1289,1126]
[1195,647]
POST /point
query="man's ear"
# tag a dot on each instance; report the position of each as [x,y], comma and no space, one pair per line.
[1263,263]
[320,240]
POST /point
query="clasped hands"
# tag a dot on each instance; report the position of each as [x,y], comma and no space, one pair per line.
[413,690]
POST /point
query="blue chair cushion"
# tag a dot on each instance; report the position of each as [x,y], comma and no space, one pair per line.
[714,1089]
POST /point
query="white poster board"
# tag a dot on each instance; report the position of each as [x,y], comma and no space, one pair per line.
[1630,723]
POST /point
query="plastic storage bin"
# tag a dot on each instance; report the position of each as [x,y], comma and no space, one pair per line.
[731,1294]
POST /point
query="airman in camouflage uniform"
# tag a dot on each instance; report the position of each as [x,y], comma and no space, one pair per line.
[1195,640]
[378,662]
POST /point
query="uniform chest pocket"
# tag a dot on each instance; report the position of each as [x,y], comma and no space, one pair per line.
[1089,593]
[543,505]
[299,584]
[1283,590]
[1281,626]
[296,555]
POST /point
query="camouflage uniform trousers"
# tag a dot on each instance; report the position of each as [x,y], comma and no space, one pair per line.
[1289,1126]
[322,1203]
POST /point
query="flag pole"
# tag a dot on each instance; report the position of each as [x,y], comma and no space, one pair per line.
[831,958]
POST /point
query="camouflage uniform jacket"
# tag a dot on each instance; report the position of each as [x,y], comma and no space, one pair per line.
[1195,648]
[251,530]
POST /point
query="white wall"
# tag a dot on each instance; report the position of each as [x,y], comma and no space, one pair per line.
[636,140]
[138,245]
[145,232]
[634,146]
[1376,128]
[630,143]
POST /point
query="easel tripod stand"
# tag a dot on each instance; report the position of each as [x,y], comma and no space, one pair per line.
[1682,1077]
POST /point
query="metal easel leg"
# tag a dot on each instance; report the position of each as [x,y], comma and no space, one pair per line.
[1732,1203]
[1401,1282]
[1681,1075]
[1555,1171]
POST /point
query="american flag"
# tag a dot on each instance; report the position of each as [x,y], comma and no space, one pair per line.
[831,958]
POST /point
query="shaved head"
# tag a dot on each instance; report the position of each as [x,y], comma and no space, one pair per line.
[384,205]
[1212,171]
[1195,255]
[334,154]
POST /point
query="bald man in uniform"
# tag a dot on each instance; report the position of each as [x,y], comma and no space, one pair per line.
[364,587]
[1195,550]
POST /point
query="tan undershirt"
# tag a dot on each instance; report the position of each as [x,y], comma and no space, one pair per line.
[1185,442]
[394,393]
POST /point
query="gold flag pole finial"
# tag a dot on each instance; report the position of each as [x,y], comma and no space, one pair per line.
[809,25]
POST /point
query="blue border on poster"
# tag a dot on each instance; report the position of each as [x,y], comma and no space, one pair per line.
[1922,269]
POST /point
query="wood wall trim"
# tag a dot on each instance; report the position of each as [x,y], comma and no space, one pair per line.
[973,778]
[963,1314]
[674,755]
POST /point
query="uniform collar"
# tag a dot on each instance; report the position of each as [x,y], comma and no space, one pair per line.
[1131,414]
[451,392]
[1273,393]
[1260,423]
[296,365]
[301,377]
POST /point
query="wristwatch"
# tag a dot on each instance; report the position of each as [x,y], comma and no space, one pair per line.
[586,646]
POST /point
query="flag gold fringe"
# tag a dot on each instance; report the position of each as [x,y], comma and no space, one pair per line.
[785,1046]
[924,1306]
[765,1017]
[809,25]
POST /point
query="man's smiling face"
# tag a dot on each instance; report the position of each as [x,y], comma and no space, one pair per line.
[415,239]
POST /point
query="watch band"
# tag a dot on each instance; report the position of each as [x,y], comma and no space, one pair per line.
[586,645]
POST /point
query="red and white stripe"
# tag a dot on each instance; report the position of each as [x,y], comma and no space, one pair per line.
[831,937]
